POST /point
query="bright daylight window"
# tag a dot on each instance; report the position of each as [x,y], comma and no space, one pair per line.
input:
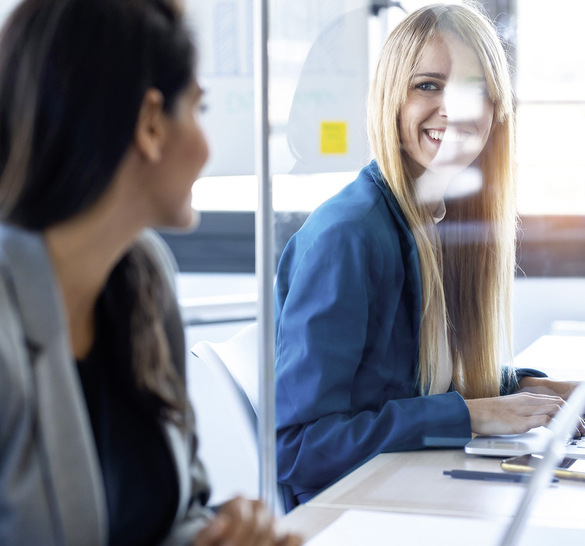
[551,112]
[320,54]
[307,35]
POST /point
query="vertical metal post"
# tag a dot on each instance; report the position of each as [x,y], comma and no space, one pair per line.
[264,261]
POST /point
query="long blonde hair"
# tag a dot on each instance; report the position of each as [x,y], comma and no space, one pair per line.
[467,265]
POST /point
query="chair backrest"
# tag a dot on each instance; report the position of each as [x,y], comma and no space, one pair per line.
[226,425]
[238,356]
[235,365]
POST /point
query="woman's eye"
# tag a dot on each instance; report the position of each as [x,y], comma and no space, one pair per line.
[427,86]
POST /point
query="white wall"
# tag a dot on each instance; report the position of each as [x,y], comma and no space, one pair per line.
[540,302]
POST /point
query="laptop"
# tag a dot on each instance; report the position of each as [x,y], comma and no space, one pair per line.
[511,445]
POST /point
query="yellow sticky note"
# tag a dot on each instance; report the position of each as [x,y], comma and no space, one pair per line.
[333,137]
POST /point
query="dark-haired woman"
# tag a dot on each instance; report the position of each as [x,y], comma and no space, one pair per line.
[99,140]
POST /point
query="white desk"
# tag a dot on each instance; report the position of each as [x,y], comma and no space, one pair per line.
[560,356]
[413,482]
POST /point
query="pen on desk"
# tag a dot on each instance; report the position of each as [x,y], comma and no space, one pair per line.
[517,477]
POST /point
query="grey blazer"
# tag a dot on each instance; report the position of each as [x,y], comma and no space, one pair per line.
[51,489]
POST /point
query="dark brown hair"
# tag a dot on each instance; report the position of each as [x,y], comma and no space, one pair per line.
[73,74]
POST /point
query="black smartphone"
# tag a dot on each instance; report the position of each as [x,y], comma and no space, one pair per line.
[569,469]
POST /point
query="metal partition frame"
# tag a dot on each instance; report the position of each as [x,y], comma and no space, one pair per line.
[264,261]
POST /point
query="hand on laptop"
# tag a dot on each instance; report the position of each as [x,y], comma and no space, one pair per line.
[512,414]
[545,385]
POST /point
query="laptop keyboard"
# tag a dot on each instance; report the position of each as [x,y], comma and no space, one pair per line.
[577,442]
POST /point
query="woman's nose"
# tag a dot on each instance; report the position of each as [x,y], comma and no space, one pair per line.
[442,106]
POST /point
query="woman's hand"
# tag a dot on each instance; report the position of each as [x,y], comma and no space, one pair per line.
[242,522]
[553,387]
[512,414]
[545,385]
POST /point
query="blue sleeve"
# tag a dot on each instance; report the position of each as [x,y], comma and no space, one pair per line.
[326,302]
[512,378]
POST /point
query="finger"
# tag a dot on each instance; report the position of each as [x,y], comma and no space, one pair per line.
[284,537]
[547,409]
[289,540]
[533,398]
[580,428]
[214,533]
[525,423]
[240,513]
[254,525]
[263,533]
[526,408]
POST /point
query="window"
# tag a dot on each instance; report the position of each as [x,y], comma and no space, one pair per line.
[321,54]
[551,110]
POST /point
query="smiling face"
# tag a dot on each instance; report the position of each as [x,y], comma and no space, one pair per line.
[447,117]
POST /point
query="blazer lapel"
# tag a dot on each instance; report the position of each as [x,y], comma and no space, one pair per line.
[71,465]
[407,242]
[71,458]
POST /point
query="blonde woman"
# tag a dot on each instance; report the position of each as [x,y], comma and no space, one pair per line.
[393,298]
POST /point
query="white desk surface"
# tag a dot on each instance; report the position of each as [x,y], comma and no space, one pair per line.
[560,356]
[377,528]
[413,482]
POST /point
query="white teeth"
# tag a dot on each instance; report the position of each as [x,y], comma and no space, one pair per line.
[435,135]
[447,136]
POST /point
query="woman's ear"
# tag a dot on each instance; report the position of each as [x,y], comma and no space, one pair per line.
[150,131]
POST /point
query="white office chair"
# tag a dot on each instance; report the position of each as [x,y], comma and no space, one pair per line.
[238,356]
[234,364]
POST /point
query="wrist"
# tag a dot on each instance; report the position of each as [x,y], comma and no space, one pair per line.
[528,382]
[545,385]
